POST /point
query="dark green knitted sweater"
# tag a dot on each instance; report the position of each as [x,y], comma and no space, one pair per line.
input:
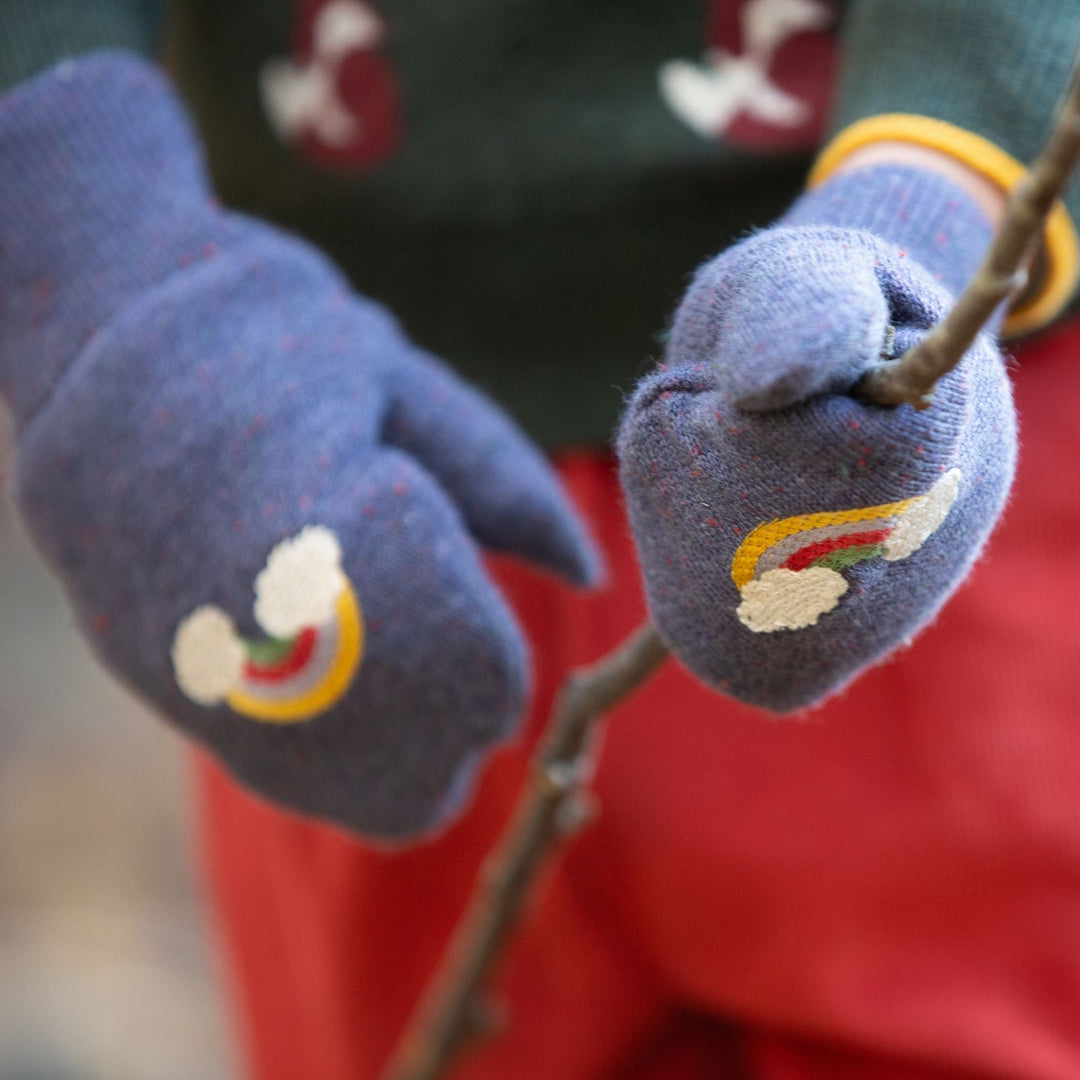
[529,183]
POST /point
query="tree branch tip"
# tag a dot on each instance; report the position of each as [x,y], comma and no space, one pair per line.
[493,874]
[486,1016]
[557,777]
[573,691]
[885,385]
[576,811]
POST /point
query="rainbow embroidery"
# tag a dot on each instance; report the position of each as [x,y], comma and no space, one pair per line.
[310,612]
[788,571]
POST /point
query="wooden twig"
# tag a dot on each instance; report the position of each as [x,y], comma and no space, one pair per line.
[911,378]
[454,1010]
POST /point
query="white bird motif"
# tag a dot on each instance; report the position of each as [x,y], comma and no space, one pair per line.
[708,96]
[304,98]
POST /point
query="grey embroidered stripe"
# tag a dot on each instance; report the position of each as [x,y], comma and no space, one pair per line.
[322,656]
[782,550]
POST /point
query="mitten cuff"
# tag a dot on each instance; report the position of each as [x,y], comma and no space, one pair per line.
[105,194]
[986,70]
[1059,268]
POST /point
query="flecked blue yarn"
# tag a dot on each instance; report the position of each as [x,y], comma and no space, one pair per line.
[191,387]
[752,418]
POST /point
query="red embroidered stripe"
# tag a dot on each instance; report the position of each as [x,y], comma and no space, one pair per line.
[291,663]
[810,554]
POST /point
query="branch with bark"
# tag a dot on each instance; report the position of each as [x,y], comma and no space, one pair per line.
[553,806]
[911,378]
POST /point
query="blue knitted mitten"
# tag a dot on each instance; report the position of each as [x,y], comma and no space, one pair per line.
[263,501]
[791,534]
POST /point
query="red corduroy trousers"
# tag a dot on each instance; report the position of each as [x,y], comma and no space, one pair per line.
[888,889]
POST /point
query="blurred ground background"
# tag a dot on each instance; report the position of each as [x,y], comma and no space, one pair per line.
[106,970]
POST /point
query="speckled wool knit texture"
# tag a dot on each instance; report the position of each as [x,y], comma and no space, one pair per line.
[751,418]
[192,387]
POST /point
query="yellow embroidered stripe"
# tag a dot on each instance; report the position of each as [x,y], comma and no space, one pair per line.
[1060,244]
[330,688]
[771,532]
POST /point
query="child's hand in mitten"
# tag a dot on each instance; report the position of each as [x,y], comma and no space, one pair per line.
[790,533]
[263,500]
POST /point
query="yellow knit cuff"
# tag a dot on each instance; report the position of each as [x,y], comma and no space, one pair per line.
[1061,248]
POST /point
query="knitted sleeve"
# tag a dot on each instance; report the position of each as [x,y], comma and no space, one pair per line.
[35,34]
[979,79]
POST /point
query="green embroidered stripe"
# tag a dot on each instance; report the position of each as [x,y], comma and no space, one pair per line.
[268,651]
[849,556]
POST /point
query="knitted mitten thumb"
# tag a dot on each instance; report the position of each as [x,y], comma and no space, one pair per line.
[264,502]
[790,534]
